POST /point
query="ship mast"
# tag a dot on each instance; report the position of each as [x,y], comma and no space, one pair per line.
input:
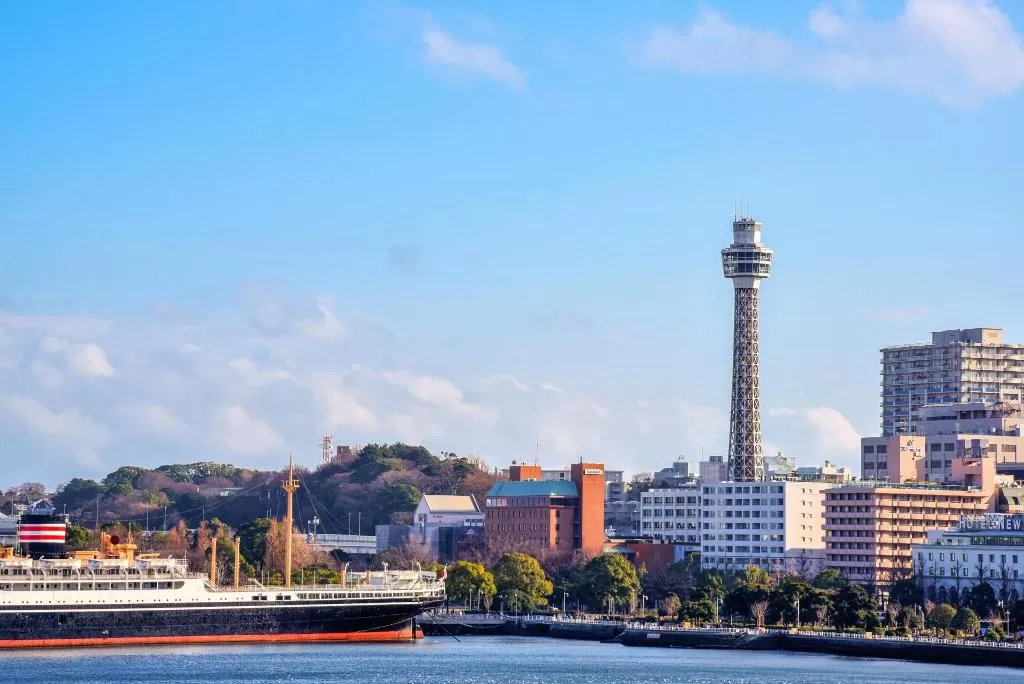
[290,486]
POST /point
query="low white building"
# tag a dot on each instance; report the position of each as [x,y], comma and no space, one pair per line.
[981,548]
[671,515]
[440,522]
[773,524]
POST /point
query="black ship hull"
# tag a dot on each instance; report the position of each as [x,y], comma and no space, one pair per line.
[67,626]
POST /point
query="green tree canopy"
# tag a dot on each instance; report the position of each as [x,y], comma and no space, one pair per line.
[700,612]
[941,617]
[77,494]
[78,537]
[829,578]
[966,620]
[253,540]
[854,608]
[521,579]
[907,592]
[982,599]
[610,577]
[750,586]
[467,579]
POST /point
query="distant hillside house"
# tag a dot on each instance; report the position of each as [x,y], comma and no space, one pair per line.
[442,522]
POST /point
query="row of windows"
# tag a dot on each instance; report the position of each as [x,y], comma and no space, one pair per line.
[669,513]
[647,500]
[737,489]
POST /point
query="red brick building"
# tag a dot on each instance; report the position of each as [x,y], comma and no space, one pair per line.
[561,515]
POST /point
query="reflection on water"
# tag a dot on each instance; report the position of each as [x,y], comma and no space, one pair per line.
[476,660]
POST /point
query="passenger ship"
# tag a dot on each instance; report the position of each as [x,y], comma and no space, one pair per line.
[117,597]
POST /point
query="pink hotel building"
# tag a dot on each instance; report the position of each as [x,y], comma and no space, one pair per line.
[870,526]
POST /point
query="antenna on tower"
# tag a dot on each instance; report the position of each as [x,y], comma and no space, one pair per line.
[328,449]
[536,450]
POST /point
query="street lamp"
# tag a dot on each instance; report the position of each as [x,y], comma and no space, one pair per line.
[643,604]
[565,595]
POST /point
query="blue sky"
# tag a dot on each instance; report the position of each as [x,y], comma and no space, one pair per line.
[230,228]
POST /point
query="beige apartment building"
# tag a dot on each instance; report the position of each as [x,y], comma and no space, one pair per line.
[943,434]
[957,367]
[870,527]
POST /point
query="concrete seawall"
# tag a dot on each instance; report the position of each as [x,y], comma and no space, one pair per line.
[919,650]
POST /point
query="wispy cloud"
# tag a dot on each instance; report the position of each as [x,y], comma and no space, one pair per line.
[471,59]
[960,52]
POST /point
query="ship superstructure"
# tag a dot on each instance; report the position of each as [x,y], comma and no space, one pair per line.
[115,596]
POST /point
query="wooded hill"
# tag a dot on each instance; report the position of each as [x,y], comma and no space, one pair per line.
[381,484]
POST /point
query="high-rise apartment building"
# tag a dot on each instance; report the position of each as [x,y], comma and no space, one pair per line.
[776,525]
[672,515]
[957,367]
[746,262]
[870,527]
[946,432]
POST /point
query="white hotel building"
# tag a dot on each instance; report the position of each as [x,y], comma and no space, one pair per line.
[671,515]
[987,548]
[773,524]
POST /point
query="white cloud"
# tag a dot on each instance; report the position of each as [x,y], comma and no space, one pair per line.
[833,437]
[86,360]
[549,387]
[67,429]
[340,408]
[256,376]
[439,392]
[236,431]
[505,379]
[481,60]
[834,430]
[960,52]
[327,328]
[151,419]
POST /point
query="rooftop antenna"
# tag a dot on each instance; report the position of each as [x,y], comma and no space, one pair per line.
[536,450]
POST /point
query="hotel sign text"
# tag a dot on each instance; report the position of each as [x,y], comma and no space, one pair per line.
[1007,522]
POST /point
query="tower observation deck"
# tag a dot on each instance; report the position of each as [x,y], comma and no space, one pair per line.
[746,262]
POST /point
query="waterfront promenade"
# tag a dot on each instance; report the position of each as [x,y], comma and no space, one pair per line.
[659,635]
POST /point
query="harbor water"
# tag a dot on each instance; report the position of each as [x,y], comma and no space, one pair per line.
[472,660]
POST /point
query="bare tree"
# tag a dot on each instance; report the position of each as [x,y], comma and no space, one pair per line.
[821,615]
[929,606]
[996,618]
[670,605]
[1005,580]
[758,611]
[892,610]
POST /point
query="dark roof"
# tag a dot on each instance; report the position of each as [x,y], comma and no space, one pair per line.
[534,488]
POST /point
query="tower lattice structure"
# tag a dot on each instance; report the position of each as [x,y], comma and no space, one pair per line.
[746,262]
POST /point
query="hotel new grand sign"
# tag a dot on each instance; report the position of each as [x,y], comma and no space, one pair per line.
[992,522]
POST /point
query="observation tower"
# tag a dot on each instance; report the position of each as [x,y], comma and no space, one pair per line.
[746,262]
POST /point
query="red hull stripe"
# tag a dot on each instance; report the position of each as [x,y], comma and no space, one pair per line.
[43,528]
[393,635]
[39,536]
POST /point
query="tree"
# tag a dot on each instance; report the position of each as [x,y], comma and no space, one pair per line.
[907,592]
[758,611]
[982,599]
[77,494]
[610,577]
[854,608]
[750,586]
[253,539]
[467,580]
[77,537]
[520,578]
[941,617]
[966,620]
[829,578]
[669,605]
[701,611]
